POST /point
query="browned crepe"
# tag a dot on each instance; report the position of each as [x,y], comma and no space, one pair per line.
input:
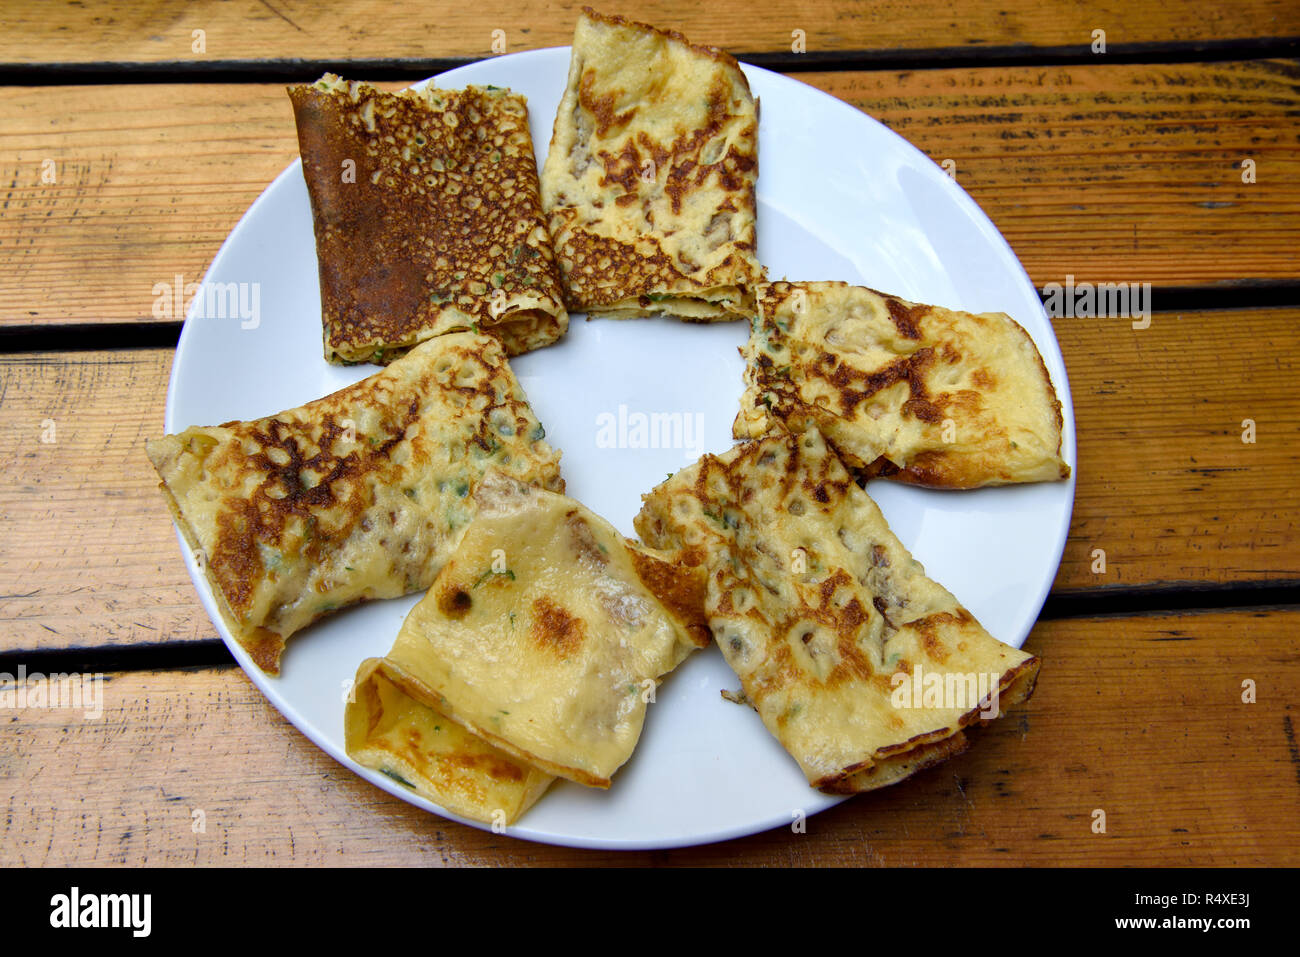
[918,393]
[361,494]
[835,631]
[650,178]
[428,218]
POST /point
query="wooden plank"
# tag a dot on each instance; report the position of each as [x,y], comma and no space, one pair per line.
[88,557]
[1141,718]
[1114,173]
[1123,173]
[148,183]
[128,31]
[1166,486]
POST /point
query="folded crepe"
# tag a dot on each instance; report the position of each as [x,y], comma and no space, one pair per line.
[918,393]
[428,218]
[362,494]
[390,730]
[545,634]
[649,182]
[862,667]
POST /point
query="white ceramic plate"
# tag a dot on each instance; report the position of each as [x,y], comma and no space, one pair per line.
[840,197]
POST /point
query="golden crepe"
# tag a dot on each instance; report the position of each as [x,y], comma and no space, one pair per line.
[542,636]
[428,218]
[649,181]
[362,494]
[388,729]
[918,393]
[836,633]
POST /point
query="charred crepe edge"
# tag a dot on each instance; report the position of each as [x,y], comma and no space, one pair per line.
[456,321]
[679,587]
[872,775]
[895,763]
[264,646]
[896,768]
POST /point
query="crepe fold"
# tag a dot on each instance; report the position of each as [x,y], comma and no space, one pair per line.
[917,393]
[862,667]
[546,633]
[428,218]
[649,183]
[389,729]
[361,494]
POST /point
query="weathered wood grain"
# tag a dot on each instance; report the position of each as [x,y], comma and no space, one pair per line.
[127,31]
[1128,173]
[1166,486]
[1141,718]
[87,552]
[147,183]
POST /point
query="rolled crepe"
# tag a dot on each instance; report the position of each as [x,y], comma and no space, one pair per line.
[649,183]
[428,218]
[916,393]
[545,636]
[362,494]
[862,667]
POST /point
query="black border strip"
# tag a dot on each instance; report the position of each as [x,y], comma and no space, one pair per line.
[146,334]
[277,70]
[299,70]
[1051,902]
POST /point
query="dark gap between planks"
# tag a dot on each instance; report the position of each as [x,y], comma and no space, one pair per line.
[413,68]
[145,334]
[153,656]
[1110,601]
[1107,602]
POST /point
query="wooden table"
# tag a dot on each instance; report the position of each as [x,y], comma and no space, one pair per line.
[1127,166]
